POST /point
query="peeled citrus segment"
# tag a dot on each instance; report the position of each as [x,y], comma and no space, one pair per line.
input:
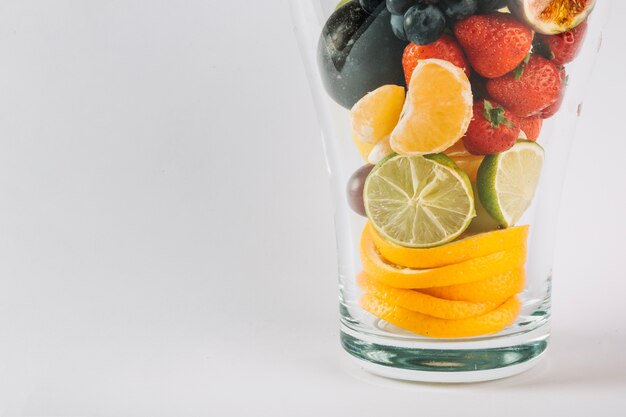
[507,181]
[497,288]
[488,323]
[458,251]
[422,303]
[418,201]
[460,273]
[465,160]
[364,148]
[376,114]
[379,151]
[437,110]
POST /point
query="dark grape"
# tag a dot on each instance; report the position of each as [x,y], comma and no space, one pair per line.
[486,6]
[354,190]
[370,6]
[397,26]
[424,24]
[459,9]
[399,7]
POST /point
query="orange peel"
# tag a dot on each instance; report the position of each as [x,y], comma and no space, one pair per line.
[422,303]
[498,287]
[464,249]
[488,323]
[472,270]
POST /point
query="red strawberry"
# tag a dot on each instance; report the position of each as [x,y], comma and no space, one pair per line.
[527,92]
[564,47]
[445,48]
[552,109]
[495,43]
[531,126]
[492,129]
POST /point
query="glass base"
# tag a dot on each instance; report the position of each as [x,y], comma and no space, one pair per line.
[447,361]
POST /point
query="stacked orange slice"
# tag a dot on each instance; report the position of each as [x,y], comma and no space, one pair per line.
[465,288]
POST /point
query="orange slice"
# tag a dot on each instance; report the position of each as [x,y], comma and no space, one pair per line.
[491,322]
[422,303]
[376,114]
[472,270]
[458,251]
[498,287]
[437,110]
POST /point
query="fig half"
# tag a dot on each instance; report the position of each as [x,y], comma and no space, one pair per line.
[551,17]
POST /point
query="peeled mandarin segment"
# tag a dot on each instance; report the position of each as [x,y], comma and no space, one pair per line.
[376,114]
[437,110]
[488,323]
[460,273]
[380,151]
[465,160]
[364,148]
[497,288]
[458,251]
[423,303]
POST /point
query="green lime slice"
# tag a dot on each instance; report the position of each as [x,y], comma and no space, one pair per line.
[507,181]
[419,201]
[341,3]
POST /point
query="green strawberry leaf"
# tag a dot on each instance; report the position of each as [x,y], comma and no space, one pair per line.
[519,71]
[496,116]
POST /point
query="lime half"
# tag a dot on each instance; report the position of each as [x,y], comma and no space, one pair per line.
[419,201]
[507,182]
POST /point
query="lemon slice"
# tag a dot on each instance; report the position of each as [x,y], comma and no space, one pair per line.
[418,201]
[437,110]
[507,182]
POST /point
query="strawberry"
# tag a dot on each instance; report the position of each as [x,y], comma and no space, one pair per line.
[445,48]
[552,109]
[564,47]
[495,44]
[531,127]
[492,129]
[528,91]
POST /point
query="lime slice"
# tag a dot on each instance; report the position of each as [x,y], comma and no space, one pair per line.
[418,201]
[507,182]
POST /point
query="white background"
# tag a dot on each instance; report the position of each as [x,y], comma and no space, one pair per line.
[166,238]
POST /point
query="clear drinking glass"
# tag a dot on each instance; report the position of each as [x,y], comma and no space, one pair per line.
[435,332]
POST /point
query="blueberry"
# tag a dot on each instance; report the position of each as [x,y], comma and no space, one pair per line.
[397,26]
[370,6]
[399,7]
[459,9]
[486,6]
[424,24]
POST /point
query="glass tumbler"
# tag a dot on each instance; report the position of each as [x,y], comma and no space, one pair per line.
[446,127]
